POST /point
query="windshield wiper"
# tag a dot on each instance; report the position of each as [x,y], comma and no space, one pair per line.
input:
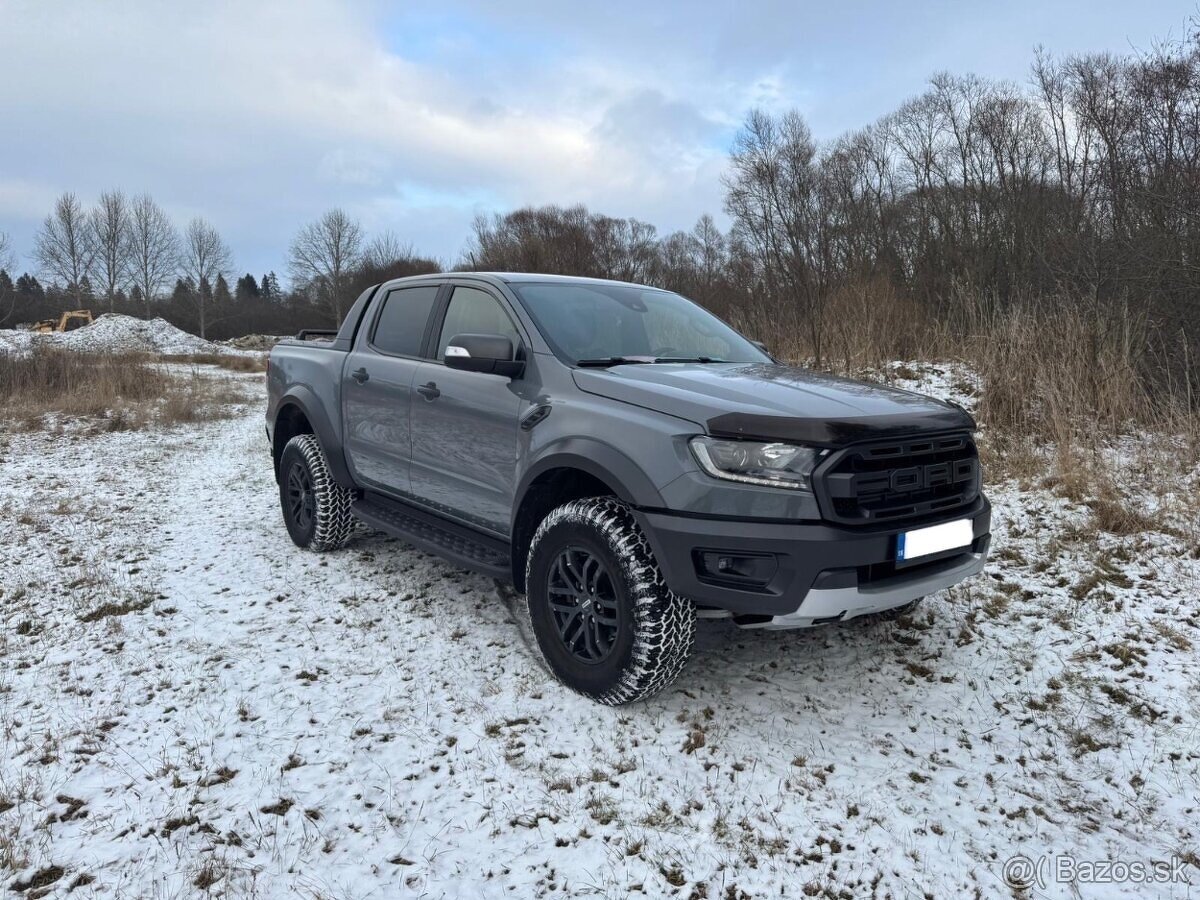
[606,361]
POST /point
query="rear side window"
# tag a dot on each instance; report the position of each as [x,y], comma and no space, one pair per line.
[401,325]
[472,311]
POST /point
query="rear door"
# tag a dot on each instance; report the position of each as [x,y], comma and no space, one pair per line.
[377,387]
[465,425]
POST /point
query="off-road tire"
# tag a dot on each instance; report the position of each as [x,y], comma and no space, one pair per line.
[657,627]
[329,523]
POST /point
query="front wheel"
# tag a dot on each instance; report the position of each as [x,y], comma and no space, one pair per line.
[316,509]
[605,621]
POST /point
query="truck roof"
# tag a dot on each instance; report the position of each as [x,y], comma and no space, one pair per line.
[520,277]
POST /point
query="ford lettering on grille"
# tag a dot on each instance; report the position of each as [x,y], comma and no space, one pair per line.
[897,481]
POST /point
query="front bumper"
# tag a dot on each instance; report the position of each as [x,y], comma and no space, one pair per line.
[809,573]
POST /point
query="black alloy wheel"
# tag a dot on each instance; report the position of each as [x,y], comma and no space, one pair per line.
[316,509]
[584,604]
[604,619]
[301,505]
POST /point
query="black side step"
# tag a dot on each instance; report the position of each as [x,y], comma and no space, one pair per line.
[457,543]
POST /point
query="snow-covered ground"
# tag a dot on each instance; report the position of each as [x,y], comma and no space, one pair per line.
[189,705]
[115,333]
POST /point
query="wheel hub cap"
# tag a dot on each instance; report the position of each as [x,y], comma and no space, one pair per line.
[300,503]
[584,605]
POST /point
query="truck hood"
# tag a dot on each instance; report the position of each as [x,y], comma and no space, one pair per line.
[774,402]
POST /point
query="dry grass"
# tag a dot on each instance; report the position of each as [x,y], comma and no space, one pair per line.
[1055,369]
[73,383]
[113,392]
[232,362]
[1062,381]
[1072,375]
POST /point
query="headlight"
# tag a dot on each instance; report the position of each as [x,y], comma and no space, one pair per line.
[751,462]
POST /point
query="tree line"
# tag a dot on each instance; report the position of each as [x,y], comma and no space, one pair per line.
[126,255]
[970,204]
[1079,190]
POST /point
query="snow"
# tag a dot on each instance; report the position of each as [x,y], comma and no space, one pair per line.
[14,340]
[115,333]
[187,700]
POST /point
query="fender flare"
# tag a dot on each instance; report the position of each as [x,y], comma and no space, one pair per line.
[303,398]
[600,460]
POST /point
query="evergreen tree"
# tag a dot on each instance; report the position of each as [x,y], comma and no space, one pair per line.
[8,296]
[28,285]
[184,292]
[222,299]
[246,288]
[84,294]
[270,287]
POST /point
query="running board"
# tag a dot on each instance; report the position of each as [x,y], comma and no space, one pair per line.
[426,531]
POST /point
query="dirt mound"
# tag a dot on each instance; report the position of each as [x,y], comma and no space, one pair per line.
[14,340]
[261,342]
[114,333]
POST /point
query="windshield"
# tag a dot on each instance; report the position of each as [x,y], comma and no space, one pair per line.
[605,321]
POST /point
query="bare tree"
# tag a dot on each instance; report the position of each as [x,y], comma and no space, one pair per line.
[386,250]
[775,196]
[710,256]
[205,257]
[324,254]
[8,258]
[153,248]
[109,225]
[64,246]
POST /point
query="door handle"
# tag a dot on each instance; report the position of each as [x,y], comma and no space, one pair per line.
[429,391]
[360,375]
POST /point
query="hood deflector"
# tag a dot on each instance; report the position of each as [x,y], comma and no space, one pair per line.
[839,432]
[776,403]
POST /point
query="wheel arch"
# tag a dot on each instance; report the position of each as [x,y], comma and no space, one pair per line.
[300,412]
[567,475]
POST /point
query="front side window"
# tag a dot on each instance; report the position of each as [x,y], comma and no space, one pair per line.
[600,321]
[403,319]
[472,311]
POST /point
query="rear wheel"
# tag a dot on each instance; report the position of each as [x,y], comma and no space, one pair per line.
[604,619]
[316,509]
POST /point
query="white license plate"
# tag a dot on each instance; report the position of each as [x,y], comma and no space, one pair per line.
[934,539]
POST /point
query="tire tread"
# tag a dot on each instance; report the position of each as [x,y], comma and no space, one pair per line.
[664,623]
[335,524]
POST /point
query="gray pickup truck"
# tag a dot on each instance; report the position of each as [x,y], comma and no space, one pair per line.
[625,459]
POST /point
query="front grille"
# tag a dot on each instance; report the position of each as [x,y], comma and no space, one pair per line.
[896,480]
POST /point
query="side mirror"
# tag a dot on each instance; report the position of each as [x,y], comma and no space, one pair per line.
[489,353]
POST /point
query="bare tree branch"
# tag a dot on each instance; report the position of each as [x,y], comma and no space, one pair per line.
[205,256]
[324,253]
[109,225]
[153,248]
[64,246]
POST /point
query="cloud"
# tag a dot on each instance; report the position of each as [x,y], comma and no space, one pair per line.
[20,199]
[260,114]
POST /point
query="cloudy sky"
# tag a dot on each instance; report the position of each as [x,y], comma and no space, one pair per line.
[417,116]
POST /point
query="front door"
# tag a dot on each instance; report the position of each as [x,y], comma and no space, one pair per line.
[377,386]
[465,425]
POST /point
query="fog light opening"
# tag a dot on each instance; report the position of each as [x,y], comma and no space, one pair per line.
[740,569]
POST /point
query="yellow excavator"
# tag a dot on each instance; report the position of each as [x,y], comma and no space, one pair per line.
[68,321]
